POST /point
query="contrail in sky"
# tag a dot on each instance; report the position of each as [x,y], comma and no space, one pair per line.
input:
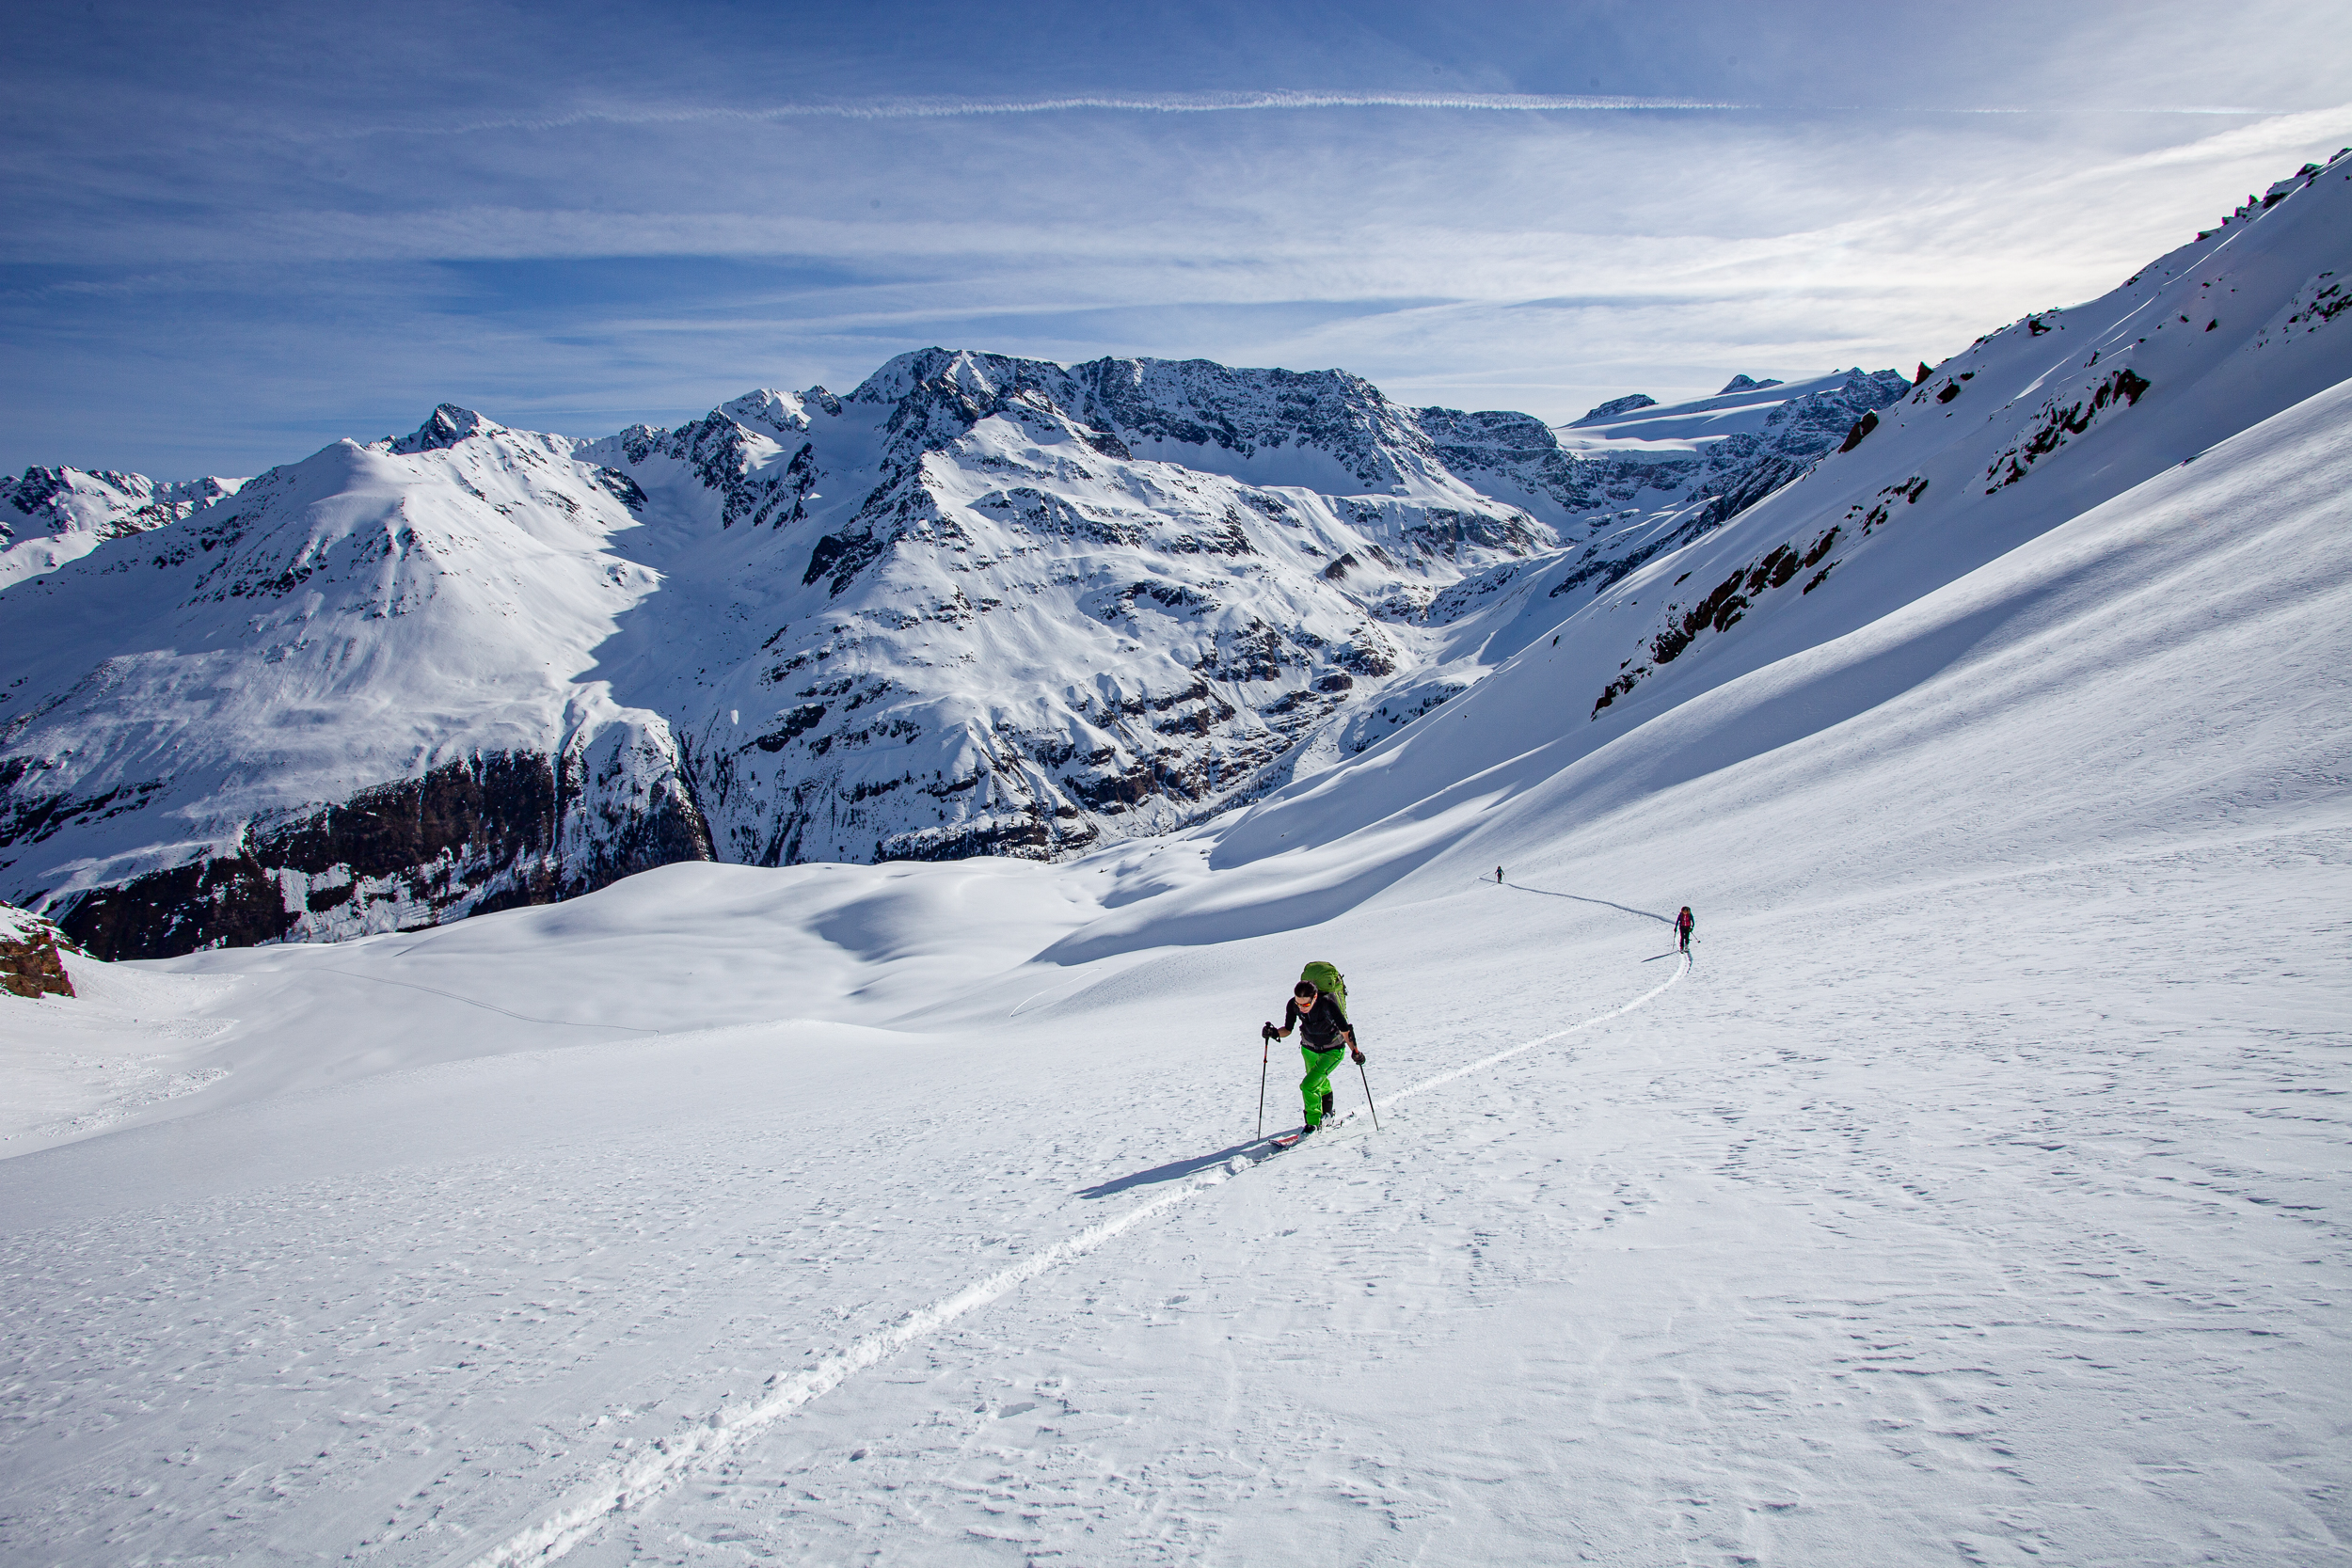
[1162,104]
[1189,103]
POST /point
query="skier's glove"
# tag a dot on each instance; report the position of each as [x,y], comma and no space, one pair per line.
[1358,1054]
[1266,1032]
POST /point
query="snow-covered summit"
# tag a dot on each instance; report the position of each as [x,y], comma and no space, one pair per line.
[1325,430]
[1618,405]
[352,686]
[448,426]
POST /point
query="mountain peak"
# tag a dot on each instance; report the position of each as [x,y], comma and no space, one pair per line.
[779,413]
[448,426]
[1745,384]
[1626,405]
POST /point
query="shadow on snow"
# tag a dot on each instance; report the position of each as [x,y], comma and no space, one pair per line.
[1626,909]
[1175,1170]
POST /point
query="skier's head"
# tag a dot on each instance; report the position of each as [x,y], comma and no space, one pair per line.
[1304,992]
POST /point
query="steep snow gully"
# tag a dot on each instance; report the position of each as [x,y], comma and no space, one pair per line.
[707,1443]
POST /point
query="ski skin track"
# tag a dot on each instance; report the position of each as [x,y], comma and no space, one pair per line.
[647,1476]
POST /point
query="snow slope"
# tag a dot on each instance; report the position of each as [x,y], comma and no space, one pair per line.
[2030,428]
[1978,1195]
[49,516]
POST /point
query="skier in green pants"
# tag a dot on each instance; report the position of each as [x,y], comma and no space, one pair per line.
[1323,1032]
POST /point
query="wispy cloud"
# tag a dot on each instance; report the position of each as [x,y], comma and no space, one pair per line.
[316,231]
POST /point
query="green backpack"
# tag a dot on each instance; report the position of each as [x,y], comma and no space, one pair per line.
[1330,981]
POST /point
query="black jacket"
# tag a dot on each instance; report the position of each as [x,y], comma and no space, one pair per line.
[1321,1028]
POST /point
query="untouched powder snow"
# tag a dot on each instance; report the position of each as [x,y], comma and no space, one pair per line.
[1976,1196]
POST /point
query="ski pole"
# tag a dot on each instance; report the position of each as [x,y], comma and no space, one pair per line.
[1375,1110]
[1266,1055]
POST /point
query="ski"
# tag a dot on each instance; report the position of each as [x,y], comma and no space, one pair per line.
[1330,1125]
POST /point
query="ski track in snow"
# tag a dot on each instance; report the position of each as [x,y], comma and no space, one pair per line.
[486,1006]
[649,1476]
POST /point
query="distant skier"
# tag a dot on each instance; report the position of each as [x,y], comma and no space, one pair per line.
[1323,1030]
[1497,876]
[1682,930]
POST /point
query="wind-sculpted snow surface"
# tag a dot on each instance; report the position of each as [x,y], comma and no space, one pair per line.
[1978,1192]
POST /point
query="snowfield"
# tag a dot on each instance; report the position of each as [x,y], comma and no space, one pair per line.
[1976,1194]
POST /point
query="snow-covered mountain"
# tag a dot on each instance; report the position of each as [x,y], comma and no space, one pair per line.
[978,604]
[49,516]
[952,612]
[350,684]
[984,603]
[989,605]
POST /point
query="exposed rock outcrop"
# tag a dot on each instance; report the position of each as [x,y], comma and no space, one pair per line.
[32,960]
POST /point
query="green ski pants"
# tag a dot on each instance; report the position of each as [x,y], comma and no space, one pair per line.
[1319,1066]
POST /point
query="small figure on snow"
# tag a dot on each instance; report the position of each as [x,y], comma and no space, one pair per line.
[1497,876]
[1323,1031]
[1682,930]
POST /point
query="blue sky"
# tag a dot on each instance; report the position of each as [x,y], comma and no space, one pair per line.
[234,233]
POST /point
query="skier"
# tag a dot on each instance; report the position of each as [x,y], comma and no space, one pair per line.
[1322,1028]
[1682,930]
[1497,876]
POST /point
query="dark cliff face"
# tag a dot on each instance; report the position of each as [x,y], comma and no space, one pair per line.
[469,837]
